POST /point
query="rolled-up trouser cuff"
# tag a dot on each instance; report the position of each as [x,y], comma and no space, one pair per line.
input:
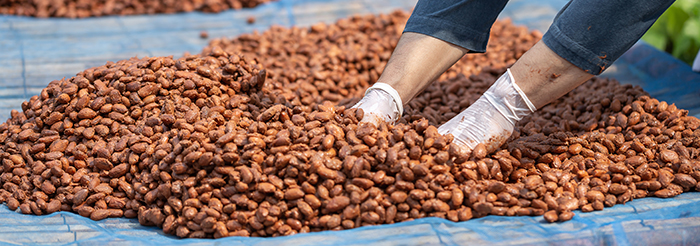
[571,51]
[472,40]
[592,34]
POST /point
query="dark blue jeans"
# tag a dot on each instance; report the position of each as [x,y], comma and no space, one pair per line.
[591,34]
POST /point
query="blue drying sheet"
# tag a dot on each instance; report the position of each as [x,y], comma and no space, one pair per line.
[34,52]
[648,221]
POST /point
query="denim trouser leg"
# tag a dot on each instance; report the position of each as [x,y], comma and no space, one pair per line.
[463,23]
[591,34]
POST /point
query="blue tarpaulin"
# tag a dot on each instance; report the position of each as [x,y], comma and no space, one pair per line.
[34,52]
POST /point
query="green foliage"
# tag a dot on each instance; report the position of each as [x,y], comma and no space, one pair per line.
[677,31]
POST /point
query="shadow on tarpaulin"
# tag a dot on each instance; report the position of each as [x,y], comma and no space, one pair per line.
[649,221]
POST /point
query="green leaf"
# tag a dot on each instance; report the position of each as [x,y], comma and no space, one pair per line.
[683,4]
[680,46]
[677,30]
[691,29]
[691,7]
[676,17]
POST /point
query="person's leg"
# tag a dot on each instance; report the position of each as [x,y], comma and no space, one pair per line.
[437,35]
[586,37]
[592,34]
[466,23]
[545,76]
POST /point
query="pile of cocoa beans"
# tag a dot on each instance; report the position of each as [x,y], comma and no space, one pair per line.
[255,137]
[94,8]
[338,62]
